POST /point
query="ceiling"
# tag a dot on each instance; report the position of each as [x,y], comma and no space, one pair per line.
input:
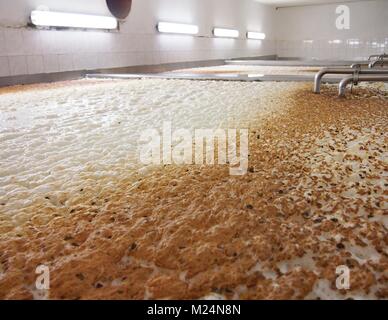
[290,3]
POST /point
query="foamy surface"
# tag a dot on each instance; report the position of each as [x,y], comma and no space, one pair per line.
[74,196]
[53,140]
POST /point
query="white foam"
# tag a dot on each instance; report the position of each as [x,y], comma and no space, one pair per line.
[52,140]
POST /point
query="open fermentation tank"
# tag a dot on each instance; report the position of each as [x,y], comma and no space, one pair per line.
[74,195]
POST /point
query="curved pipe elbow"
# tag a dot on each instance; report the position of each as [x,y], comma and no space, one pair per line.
[318,79]
[371,57]
[372,64]
[343,84]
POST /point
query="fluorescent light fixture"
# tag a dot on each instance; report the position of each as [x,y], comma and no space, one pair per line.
[308,41]
[354,42]
[255,35]
[168,27]
[227,75]
[335,41]
[226,33]
[71,20]
[255,75]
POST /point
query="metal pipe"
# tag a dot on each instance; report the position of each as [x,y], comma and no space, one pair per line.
[384,55]
[318,77]
[359,65]
[363,78]
[373,56]
[379,58]
[377,61]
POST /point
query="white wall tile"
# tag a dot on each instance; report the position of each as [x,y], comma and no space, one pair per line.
[17,65]
[86,61]
[103,60]
[35,64]
[65,62]
[51,63]
[32,42]
[148,58]
[50,42]
[14,42]
[140,57]
[130,59]
[163,57]
[129,43]
[3,49]
[156,57]
[4,67]
[91,61]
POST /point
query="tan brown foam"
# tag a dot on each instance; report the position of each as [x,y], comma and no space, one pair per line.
[187,232]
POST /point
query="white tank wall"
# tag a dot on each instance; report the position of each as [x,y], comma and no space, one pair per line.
[368,24]
[28,51]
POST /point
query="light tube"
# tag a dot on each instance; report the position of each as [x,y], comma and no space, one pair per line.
[226,33]
[255,35]
[253,75]
[335,41]
[227,75]
[353,42]
[169,27]
[71,20]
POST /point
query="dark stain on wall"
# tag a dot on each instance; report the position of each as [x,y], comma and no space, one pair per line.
[119,8]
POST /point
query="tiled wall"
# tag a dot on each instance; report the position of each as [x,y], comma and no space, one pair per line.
[29,51]
[311,32]
[347,49]
[291,32]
